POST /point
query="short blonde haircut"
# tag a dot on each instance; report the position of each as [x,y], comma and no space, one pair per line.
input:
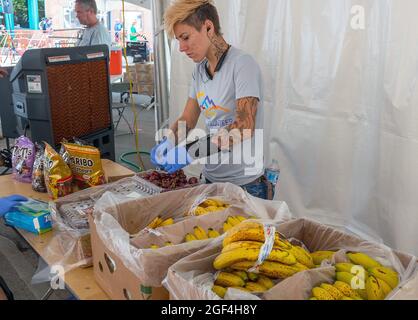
[191,12]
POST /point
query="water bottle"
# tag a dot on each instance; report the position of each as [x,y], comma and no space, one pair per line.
[273,173]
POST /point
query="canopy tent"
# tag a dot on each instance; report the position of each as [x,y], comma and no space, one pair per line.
[340,106]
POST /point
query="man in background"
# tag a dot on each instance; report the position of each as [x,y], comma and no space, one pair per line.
[95,32]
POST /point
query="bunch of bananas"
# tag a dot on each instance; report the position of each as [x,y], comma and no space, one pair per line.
[200,234]
[241,248]
[245,281]
[208,206]
[232,222]
[158,222]
[365,277]
[319,256]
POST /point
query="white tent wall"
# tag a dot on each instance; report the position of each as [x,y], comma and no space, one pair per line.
[341,106]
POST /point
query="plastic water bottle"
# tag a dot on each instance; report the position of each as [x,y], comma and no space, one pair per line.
[273,173]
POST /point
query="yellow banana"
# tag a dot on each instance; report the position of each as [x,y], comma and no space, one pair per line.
[319,256]
[208,203]
[302,256]
[154,246]
[390,276]
[200,233]
[213,209]
[233,221]
[265,281]
[255,287]
[241,288]
[168,243]
[354,269]
[242,244]
[374,289]
[227,226]
[363,260]
[333,291]
[241,218]
[284,244]
[275,270]
[229,258]
[213,233]
[167,222]
[199,211]
[252,276]
[154,223]
[321,294]
[346,290]
[241,274]
[220,291]
[247,234]
[226,279]
[353,281]
[190,237]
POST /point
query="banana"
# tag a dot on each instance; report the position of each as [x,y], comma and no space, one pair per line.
[346,290]
[284,244]
[265,281]
[208,203]
[213,209]
[275,270]
[385,287]
[220,291]
[333,291]
[168,244]
[321,294]
[226,226]
[167,222]
[190,237]
[246,234]
[154,246]
[374,289]
[233,221]
[229,258]
[199,211]
[200,233]
[352,268]
[241,274]
[241,288]
[353,281]
[302,256]
[213,233]
[226,279]
[253,276]
[388,275]
[363,260]
[255,287]
[242,244]
[241,218]
[319,256]
[155,223]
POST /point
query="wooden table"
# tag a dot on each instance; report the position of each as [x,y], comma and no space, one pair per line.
[79,281]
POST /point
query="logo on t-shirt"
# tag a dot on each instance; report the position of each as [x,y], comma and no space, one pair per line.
[209,106]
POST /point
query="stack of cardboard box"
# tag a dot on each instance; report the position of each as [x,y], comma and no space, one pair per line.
[142,77]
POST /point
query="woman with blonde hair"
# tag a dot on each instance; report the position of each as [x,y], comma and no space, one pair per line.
[227,89]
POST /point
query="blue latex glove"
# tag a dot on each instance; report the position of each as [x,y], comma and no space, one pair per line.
[159,153]
[8,203]
[176,159]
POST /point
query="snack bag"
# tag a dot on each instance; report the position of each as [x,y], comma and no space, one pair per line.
[38,179]
[85,164]
[58,176]
[23,157]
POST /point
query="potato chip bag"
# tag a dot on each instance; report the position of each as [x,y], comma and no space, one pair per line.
[58,176]
[23,157]
[85,164]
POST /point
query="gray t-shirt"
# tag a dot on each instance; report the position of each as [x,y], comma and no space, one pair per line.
[94,36]
[239,77]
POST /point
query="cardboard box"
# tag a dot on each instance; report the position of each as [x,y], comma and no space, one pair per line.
[124,264]
[145,78]
[182,277]
[146,89]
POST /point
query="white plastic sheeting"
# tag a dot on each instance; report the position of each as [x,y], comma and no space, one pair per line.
[341,106]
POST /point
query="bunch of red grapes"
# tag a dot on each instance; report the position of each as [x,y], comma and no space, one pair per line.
[170,181]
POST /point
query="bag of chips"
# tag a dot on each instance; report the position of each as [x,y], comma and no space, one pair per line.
[38,179]
[58,176]
[85,164]
[23,157]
